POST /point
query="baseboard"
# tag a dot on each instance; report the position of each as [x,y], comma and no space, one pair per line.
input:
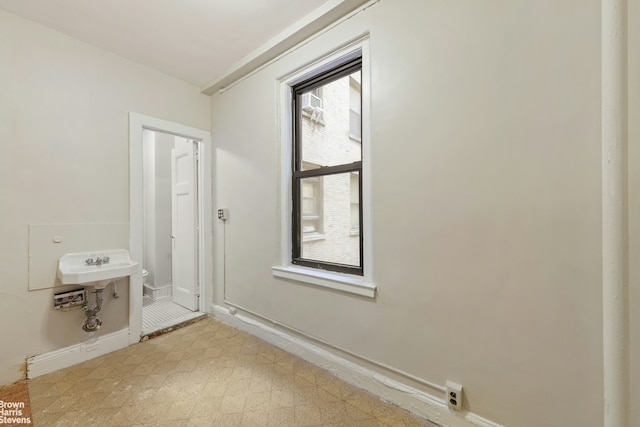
[58,359]
[416,401]
[157,292]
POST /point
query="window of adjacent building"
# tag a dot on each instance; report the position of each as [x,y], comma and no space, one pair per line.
[355,108]
[311,207]
[354,190]
[327,169]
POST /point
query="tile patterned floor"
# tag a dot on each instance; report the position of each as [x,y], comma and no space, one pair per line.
[205,374]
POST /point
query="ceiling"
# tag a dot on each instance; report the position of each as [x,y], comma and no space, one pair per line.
[194,40]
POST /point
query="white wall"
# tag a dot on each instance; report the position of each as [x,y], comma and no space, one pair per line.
[149,182]
[634,207]
[486,203]
[64,130]
[157,207]
[163,209]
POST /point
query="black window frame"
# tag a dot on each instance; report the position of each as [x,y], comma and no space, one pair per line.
[336,70]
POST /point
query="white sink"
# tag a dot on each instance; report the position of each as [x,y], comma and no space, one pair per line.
[96,268]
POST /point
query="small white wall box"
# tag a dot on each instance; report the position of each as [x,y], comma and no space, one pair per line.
[223,214]
[68,299]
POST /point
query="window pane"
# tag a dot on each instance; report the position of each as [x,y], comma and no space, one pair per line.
[326,173]
[327,121]
[328,236]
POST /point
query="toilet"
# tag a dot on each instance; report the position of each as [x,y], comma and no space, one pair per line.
[152,290]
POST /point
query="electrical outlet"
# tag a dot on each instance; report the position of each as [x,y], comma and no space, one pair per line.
[454,395]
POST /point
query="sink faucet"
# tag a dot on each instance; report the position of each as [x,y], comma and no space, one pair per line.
[103,260]
[97,261]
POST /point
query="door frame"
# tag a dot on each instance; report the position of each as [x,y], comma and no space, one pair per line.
[138,123]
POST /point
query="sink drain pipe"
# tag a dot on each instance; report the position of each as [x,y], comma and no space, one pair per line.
[93,323]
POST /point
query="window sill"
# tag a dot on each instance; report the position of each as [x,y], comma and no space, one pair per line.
[312,237]
[341,282]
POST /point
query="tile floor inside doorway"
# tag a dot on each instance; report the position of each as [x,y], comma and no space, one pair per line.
[163,313]
[205,374]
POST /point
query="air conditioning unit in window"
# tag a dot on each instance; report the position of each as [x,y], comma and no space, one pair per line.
[311,103]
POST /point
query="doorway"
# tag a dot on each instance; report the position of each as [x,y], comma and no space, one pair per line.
[170,224]
[170,254]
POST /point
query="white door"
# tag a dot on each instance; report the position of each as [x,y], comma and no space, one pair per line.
[183,224]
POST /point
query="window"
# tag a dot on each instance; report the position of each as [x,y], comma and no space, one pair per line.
[325,194]
[327,169]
